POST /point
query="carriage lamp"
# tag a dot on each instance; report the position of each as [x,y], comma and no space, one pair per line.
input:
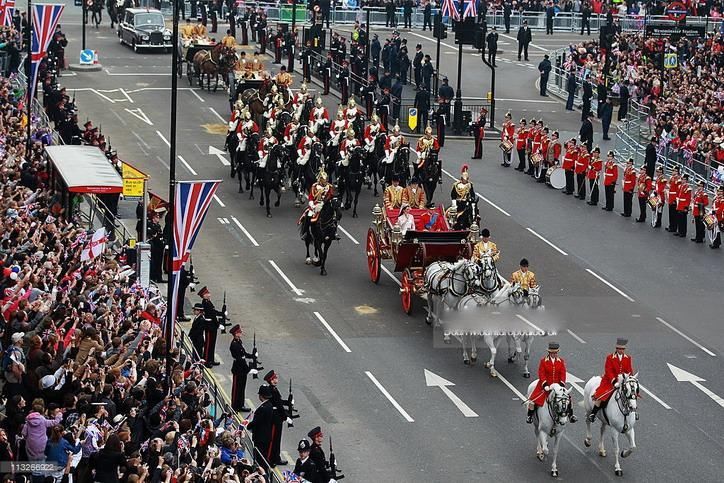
[474,232]
[452,214]
[396,236]
[377,214]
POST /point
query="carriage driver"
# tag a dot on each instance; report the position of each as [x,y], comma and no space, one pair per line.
[524,277]
[304,148]
[393,194]
[551,370]
[616,365]
[245,128]
[345,147]
[485,246]
[320,192]
[425,145]
[414,195]
[265,145]
[394,141]
[338,127]
[372,131]
[319,114]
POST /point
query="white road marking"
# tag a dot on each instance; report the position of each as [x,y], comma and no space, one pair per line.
[163,163]
[685,336]
[140,139]
[286,279]
[103,96]
[166,74]
[219,154]
[481,196]
[527,101]
[392,275]
[163,138]
[454,47]
[615,289]
[530,44]
[127,96]
[192,91]
[575,336]
[654,397]
[119,118]
[138,113]
[433,380]
[684,376]
[541,331]
[218,200]
[389,397]
[246,232]
[348,235]
[547,241]
[188,166]
[223,221]
[512,387]
[213,111]
[574,382]
[332,331]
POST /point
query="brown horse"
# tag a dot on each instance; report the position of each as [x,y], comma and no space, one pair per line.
[219,61]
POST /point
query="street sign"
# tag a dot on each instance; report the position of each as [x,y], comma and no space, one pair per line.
[134,181]
[86,57]
[676,11]
[412,118]
[675,32]
[671,61]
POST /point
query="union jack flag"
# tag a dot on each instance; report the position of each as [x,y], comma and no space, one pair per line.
[191,203]
[45,18]
[450,9]
[7,8]
[471,9]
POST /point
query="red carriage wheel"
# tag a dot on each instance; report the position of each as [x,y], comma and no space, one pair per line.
[406,290]
[373,255]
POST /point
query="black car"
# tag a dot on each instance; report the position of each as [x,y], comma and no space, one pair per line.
[143,29]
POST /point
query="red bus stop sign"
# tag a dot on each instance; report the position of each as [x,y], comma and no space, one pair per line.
[676,11]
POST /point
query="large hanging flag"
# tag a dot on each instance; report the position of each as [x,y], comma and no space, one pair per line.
[450,9]
[7,9]
[471,9]
[191,203]
[45,19]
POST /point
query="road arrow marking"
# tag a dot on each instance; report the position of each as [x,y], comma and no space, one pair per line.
[433,380]
[574,382]
[219,154]
[684,376]
[140,115]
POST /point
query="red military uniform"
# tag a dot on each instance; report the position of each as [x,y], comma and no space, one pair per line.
[550,371]
[569,159]
[661,187]
[371,131]
[701,199]
[629,179]
[683,200]
[581,162]
[521,139]
[557,148]
[673,189]
[594,168]
[508,131]
[644,185]
[610,177]
[718,208]
[615,365]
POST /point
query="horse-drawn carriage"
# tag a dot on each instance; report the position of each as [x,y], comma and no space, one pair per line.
[206,58]
[432,240]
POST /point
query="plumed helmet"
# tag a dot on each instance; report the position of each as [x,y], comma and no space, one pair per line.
[375,119]
[274,89]
[396,129]
[239,105]
[247,115]
[351,103]
[464,174]
[428,129]
[303,89]
[268,132]
[295,119]
[322,176]
[350,132]
[340,113]
[319,102]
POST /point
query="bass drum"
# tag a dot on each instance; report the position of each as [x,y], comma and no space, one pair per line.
[556,177]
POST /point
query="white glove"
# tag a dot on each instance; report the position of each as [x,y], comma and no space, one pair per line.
[546,388]
[617,385]
[289,421]
[253,372]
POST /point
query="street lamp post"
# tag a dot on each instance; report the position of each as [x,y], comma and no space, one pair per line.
[458,105]
[294,36]
[84,9]
[492,92]
[29,107]
[438,27]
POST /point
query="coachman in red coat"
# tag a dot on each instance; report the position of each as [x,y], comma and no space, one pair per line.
[616,365]
[551,370]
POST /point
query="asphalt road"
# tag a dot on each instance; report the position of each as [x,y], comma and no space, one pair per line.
[351,351]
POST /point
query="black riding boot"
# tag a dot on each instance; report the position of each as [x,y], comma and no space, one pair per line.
[592,414]
[571,417]
[529,418]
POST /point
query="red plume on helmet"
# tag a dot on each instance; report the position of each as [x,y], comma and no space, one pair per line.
[464,168]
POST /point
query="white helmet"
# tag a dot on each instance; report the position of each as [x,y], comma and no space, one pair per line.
[268,132]
[350,133]
[319,102]
[303,89]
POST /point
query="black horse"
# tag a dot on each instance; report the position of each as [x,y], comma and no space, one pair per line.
[400,167]
[247,161]
[430,175]
[306,110]
[374,160]
[270,177]
[231,144]
[321,232]
[353,178]
[306,174]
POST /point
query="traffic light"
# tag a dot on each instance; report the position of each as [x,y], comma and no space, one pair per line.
[439,30]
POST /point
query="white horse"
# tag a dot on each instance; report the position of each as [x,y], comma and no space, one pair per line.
[619,414]
[532,299]
[445,284]
[550,421]
[522,344]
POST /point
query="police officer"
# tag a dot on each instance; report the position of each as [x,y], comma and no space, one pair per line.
[305,466]
[239,370]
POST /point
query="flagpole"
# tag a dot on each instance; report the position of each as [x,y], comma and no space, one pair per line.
[458,118]
[29,107]
[170,298]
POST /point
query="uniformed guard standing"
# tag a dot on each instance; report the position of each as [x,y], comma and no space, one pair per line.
[595,166]
[629,183]
[383,106]
[278,45]
[580,167]
[262,28]
[521,141]
[253,17]
[643,187]
[262,426]
[718,211]
[211,328]
[232,20]
[196,333]
[327,73]
[291,49]
[683,202]
[701,201]
[610,177]
[280,416]
[507,135]
[154,236]
[441,116]
[245,27]
[343,81]
[478,136]
[306,55]
[316,454]
[673,192]
[661,193]
[239,370]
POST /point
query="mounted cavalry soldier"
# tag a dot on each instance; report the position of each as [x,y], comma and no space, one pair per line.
[426,145]
[265,145]
[346,146]
[353,116]
[320,192]
[299,99]
[394,194]
[616,365]
[319,115]
[414,195]
[551,370]
[304,147]
[465,200]
[284,80]
[338,127]
[273,112]
[371,132]
[394,142]
[290,133]
[272,97]
[245,128]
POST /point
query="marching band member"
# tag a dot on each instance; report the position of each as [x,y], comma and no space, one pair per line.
[485,246]
[290,132]
[337,128]
[683,201]
[521,141]
[414,195]
[264,147]
[393,194]
[346,146]
[371,132]
[581,165]
[425,145]
[551,370]
[553,151]
[351,113]
[393,143]
[718,211]
[319,114]
[595,166]
[299,99]
[673,193]
[507,137]
[524,277]
[610,177]
[660,187]
[616,365]
[304,147]
[320,192]
[540,172]
[245,128]
[643,187]
[536,140]
[701,201]
[629,183]
[569,163]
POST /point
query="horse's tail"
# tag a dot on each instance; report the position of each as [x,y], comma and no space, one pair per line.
[303,223]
